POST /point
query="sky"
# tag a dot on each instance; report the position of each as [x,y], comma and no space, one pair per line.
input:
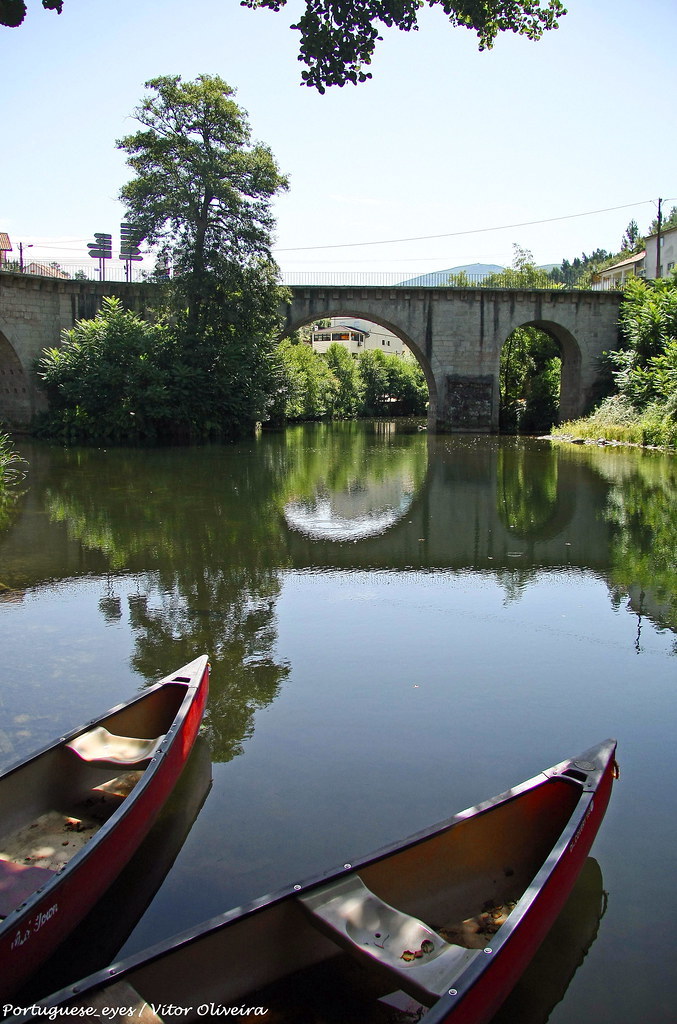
[448,156]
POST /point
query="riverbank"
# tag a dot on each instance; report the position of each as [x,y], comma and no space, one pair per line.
[617,422]
[601,442]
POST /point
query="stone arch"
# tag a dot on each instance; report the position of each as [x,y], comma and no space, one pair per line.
[570,402]
[358,313]
[15,388]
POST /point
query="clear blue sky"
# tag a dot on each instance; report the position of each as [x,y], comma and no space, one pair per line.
[444,140]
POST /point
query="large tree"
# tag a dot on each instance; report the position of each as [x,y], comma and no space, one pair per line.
[202,189]
[338,37]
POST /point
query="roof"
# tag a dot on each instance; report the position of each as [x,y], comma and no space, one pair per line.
[44,271]
[5,244]
[625,263]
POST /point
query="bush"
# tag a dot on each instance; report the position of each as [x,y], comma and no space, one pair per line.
[111,380]
[120,379]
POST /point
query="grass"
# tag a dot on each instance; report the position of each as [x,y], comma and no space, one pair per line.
[615,419]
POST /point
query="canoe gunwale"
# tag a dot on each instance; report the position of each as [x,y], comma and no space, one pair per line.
[466,983]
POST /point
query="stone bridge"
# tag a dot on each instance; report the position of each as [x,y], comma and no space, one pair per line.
[456,334]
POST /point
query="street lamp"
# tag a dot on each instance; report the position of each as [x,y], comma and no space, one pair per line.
[23,246]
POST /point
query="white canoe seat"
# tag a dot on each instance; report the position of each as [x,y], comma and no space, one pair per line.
[99,746]
[357,919]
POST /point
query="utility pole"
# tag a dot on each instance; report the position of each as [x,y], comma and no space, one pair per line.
[22,246]
[658,239]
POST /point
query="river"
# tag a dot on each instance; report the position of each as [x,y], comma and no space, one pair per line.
[400,626]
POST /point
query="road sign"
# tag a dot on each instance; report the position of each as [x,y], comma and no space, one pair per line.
[130,238]
[102,246]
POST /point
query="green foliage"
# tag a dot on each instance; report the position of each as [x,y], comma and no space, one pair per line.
[111,378]
[530,381]
[338,39]
[632,242]
[407,386]
[333,385]
[373,367]
[616,419]
[12,469]
[644,409]
[309,385]
[120,379]
[347,397]
[522,274]
[580,272]
[11,463]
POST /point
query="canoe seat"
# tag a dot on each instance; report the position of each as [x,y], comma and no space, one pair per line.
[357,919]
[18,882]
[102,747]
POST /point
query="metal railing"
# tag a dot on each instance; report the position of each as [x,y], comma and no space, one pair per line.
[117,272]
[71,270]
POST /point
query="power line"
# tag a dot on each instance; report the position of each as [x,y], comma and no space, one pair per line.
[471,231]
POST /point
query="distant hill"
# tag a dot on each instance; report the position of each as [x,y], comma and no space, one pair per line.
[474,272]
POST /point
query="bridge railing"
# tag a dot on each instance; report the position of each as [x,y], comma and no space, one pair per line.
[71,270]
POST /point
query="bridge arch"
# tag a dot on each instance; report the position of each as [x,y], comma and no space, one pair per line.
[571,356]
[356,312]
[15,386]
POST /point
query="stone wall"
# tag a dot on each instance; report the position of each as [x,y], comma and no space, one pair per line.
[33,312]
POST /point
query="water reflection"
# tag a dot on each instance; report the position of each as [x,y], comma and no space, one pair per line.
[354,489]
[527,501]
[202,535]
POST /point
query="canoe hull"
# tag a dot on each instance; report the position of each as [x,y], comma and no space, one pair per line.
[31,933]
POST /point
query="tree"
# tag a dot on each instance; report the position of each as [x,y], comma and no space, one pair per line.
[309,387]
[669,221]
[13,12]
[338,38]
[580,272]
[375,382]
[203,193]
[632,241]
[111,379]
[348,395]
[202,189]
[646,367]
[522,274]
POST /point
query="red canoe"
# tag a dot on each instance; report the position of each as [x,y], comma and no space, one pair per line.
[73,814]
[444,922]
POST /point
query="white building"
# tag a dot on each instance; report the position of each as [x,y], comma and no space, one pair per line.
[616,276]
[358,336]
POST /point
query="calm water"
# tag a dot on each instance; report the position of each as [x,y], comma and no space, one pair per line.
[399,626]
